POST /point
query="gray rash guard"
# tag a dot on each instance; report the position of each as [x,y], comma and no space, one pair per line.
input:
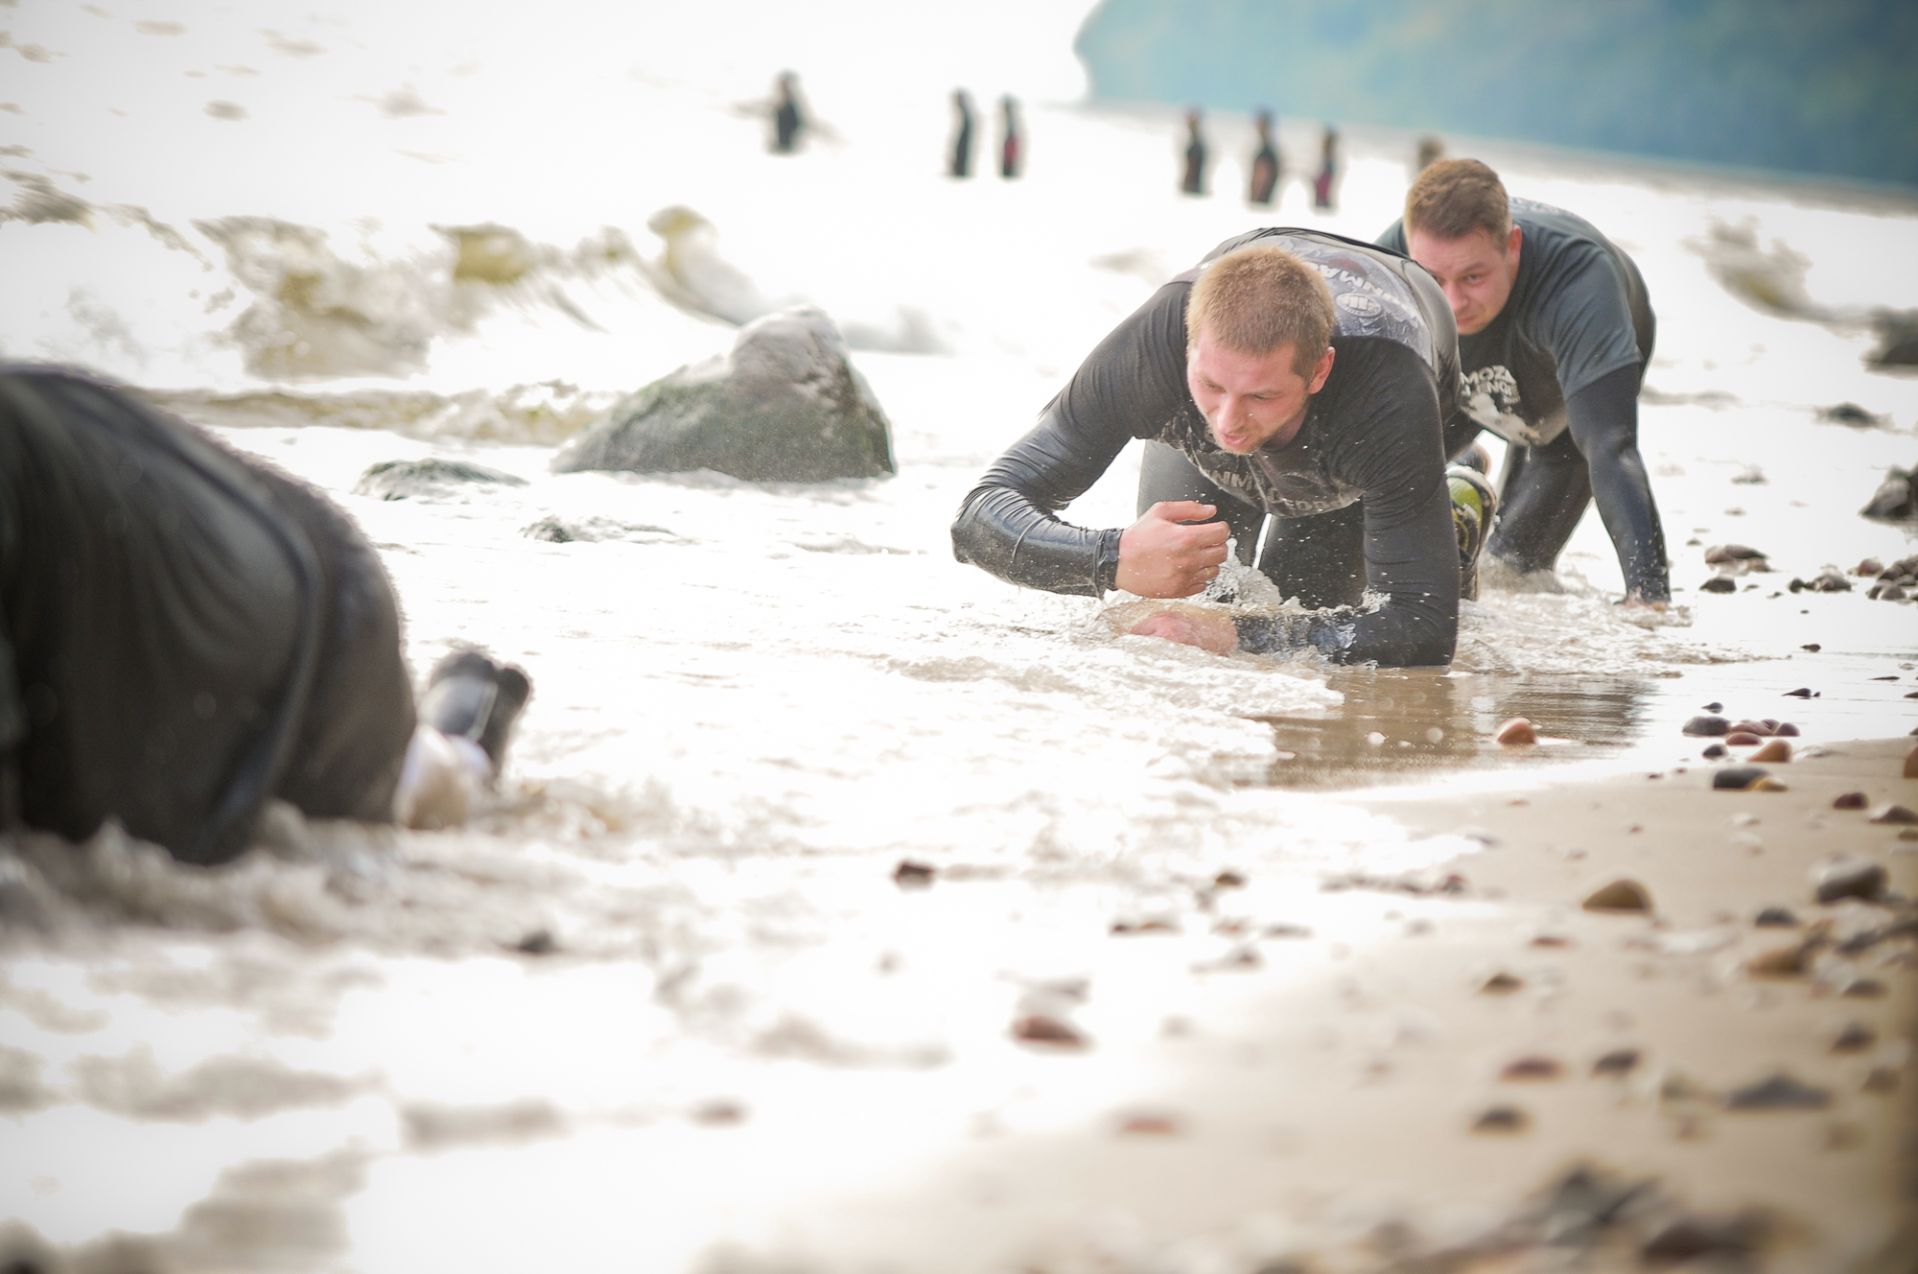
[1371,436]
[1568,350]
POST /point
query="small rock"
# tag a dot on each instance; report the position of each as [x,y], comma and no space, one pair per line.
[1849,801]
[1714,707]
[1043,1029]
[1775,918]
[719,1113]
[1719,584]
[1803,692]
[1150,1124]
[1721,554]
[1774,751]
[910,874]
[1532,1069]
[1228,879]
[1622,895]
[1881,1079]
[1895,499]
[1708,727]
[1705,1242]
[1849,413]
[408,479]
[1893,814]
[1788,961]
[1738,778]
[1501,983]
[1713,751]
[1850,878]
[1618,1062]
[1779,1092]
[1502,1119]
[1743,739]
[1869,567]
[537,942]
[1863,989]
[1786,730]
[1855,1037]
[1516,731]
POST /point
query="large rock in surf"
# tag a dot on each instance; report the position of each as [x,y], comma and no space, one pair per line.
[785,405]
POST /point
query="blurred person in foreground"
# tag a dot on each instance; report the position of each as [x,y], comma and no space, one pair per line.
[1293,378]
[1555,333]
[187,633]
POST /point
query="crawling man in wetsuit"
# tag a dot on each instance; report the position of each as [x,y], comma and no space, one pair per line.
[186,633]
[1555,332]
[1292,376]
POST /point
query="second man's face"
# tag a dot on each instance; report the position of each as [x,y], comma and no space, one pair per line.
[1476,271]
[1250,400]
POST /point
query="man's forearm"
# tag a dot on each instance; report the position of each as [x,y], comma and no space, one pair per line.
[1004,532]
[1603,419]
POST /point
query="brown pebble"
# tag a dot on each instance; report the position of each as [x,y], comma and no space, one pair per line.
[1551,940]
[1704,1241]
[1863,989]
[719,1113]
[1803,692]
[1881,1079]
[1621,895]
[1856,1037]
[1870,566]
[1773,752]
[1786,729]
[1502,1119]
[1516,731]
[1040,1028]
[1849,801]
[1751,727]
[1778,1092]
[1788,961]
[1713,751]
[1850,878]
[1895,814]
[1535,1067]
[912,875]
[1150,1124]
[1737,778]
[1228,879]
[1741,739]
[1775,918]
[1501,983]
[1767,784]
[1812,646]
[1719,584]
[1620,1061]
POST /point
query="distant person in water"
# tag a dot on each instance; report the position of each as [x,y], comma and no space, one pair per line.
[187,633]
[1430,151]
[959,159]
[1192,177]
[1555,333]
[1012,139]
[1325,183]
[789,117]
[1293,381]
[1265,164]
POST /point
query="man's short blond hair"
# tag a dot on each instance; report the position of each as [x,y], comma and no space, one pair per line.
[1257,298]
[1454,197]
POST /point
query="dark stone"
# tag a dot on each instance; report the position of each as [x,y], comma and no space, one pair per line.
[1775,918]
[1850,414]
[910,874]
[784,405]
[1714,751]
[1779,1092]
[1708,727]
[410,479]
[1862,880]
[1803,692]
[1738,778]
[1894,500]
[1897,339]
[1720,554]
[1620,1061]
[1719,584]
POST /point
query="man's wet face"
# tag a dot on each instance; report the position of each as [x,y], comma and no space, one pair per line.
[1249,400]
[1476,271]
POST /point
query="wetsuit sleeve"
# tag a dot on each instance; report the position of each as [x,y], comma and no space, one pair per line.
[1127,388]
[1603,418]
[1388,439]
[13,717]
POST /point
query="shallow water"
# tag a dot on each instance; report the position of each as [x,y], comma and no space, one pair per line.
[679,924]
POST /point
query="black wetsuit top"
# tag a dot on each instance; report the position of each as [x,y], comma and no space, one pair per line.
[184,632]
[1371,435]
[1568,350]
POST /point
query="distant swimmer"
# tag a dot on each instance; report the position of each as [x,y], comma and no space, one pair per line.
[1192,177]
[1265,164]
[789,117]
[1555,334]
[959,158]
[186,633]
[1294,379]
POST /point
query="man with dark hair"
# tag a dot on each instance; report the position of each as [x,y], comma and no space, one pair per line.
[1555,333]
[1293,377]
[186,633]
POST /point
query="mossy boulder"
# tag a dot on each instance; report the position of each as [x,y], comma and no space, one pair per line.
[784,405]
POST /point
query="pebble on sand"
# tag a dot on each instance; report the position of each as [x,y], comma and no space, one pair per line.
[1778,1092]
[1774,751]
[1516,731]
[1711,727]
[1775,918]
[1501,983]
[1531,1069]
[1853,1037]
[1502,1119]
[1041,1028]
[1742,778]
[1617,1062]
[1789,961]
[1849,801]
[1892,813]
[1621,895]
[1850,878]
[910,874]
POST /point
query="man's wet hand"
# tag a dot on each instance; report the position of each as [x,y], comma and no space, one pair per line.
[1213,631]
[1161,555]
